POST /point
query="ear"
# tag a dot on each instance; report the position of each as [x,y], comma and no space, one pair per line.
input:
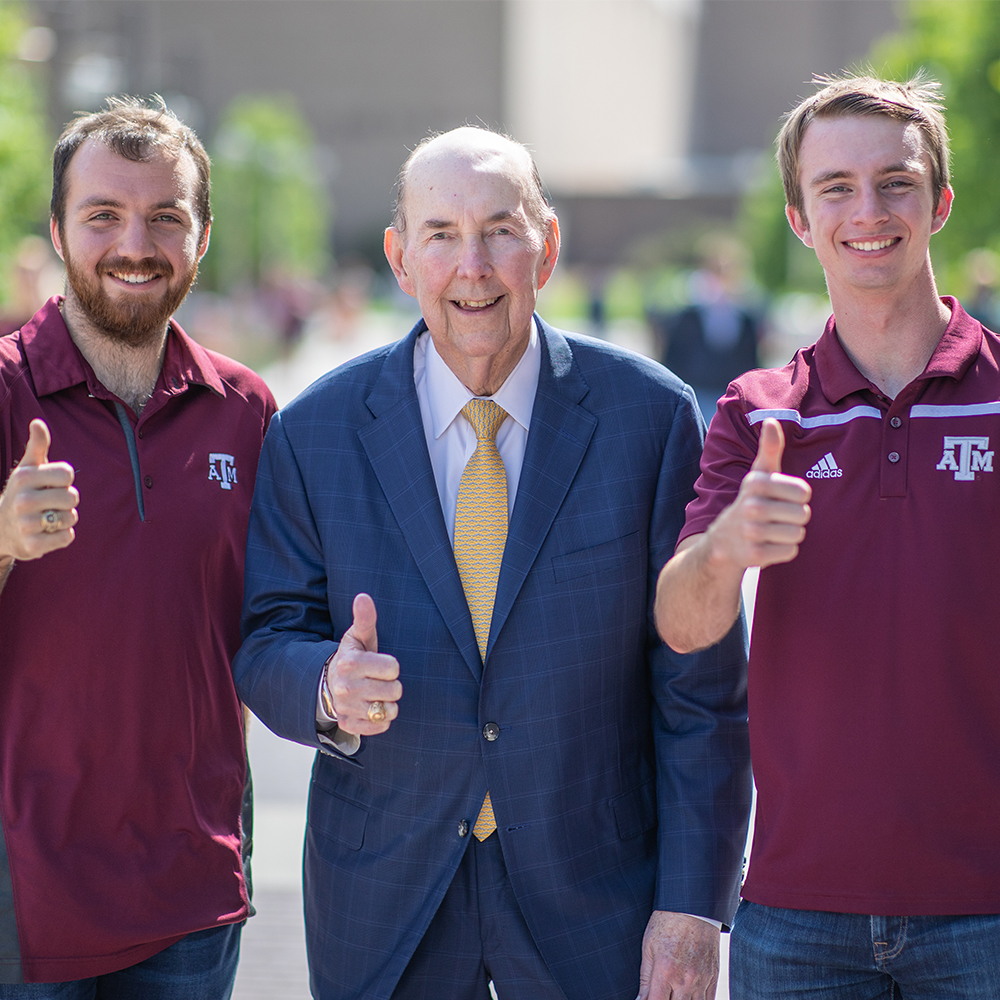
[203,244]
[394,245]
[56,237]
[551,252]
[943,209]
[800,225]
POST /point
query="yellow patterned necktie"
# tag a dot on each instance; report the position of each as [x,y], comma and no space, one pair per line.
[480,536]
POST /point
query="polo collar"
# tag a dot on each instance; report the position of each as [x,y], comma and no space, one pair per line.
[957,349]
[57,364]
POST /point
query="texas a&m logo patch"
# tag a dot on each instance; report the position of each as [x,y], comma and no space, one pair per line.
[965,456]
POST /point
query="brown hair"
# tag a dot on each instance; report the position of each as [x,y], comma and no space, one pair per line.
[535,202]
[917,101]
[133,130]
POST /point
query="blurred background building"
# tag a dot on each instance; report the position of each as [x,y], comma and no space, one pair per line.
[645,115]
[652,122]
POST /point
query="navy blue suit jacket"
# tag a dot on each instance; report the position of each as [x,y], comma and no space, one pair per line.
[620,779]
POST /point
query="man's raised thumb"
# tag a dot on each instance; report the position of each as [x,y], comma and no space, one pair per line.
[36,451]
[770,447]
[363,627]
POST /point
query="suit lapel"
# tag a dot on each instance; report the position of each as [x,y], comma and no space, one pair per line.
[397,450]
[558,439]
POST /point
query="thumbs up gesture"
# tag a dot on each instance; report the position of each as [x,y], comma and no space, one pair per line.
[766,522]
[363,683]
[38,504]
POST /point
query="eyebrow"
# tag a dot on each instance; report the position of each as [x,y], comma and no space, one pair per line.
[501,216]
[101,201]
[839,175]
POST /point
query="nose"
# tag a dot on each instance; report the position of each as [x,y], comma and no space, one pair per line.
[473,258]
[134,241]
[870,207]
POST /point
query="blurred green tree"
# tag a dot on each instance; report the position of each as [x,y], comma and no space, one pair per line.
[272,212]
[25,147]
[959,45]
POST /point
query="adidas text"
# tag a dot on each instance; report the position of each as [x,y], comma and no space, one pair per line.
[825,468]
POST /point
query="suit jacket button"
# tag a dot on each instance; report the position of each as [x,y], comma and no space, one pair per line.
[463,828]
[491,731]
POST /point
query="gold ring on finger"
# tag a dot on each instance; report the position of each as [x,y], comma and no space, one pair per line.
[376,711]
[50,521]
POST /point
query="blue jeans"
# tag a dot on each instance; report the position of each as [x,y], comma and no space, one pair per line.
[812,955]
[201,966]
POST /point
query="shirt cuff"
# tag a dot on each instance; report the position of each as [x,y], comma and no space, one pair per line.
[346,743]
[717,924]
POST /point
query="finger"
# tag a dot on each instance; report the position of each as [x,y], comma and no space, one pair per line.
[363,628]
[761,510]
[355,693]
[770,447]
[36,451]
[353,718]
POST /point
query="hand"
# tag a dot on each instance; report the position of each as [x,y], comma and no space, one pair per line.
[766,522]
[359,674]
[680,958]
[37,485]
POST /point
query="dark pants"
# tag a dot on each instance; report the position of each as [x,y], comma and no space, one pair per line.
[478,934]
[201,966]
[813,955]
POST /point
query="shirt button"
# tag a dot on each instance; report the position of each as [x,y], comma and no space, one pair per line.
[894,457]
[463,828]
[896,422]
[491,731]
[139,433]
[149,482]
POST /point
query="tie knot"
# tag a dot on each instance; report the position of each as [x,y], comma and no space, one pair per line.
[485,417]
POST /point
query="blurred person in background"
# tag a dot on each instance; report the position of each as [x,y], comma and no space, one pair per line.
[37,276]
[861,478]
[122,529]
[714,339]
[450,575]
[982,269]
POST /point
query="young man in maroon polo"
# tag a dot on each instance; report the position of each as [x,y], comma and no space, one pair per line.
[122,763]
[860,477]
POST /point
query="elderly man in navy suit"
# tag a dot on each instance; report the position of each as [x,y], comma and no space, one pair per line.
[454,545]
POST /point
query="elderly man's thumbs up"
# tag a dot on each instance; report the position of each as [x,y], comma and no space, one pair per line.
[363,683]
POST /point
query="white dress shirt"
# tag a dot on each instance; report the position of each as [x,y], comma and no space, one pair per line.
[451,439]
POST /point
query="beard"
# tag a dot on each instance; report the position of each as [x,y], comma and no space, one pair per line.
[131,320]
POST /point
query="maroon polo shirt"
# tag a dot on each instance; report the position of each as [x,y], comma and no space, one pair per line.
[121,743]
[875,663]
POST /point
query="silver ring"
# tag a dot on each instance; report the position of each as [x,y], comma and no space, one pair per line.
[376,711]
[50,521]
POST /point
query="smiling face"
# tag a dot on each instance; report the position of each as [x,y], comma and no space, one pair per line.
[470,253]
[130,239]
[869,210]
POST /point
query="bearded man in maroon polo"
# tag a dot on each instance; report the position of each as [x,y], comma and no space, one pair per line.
[860,478]
[122,534]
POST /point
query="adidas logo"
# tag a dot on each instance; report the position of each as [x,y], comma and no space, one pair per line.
[825,468]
